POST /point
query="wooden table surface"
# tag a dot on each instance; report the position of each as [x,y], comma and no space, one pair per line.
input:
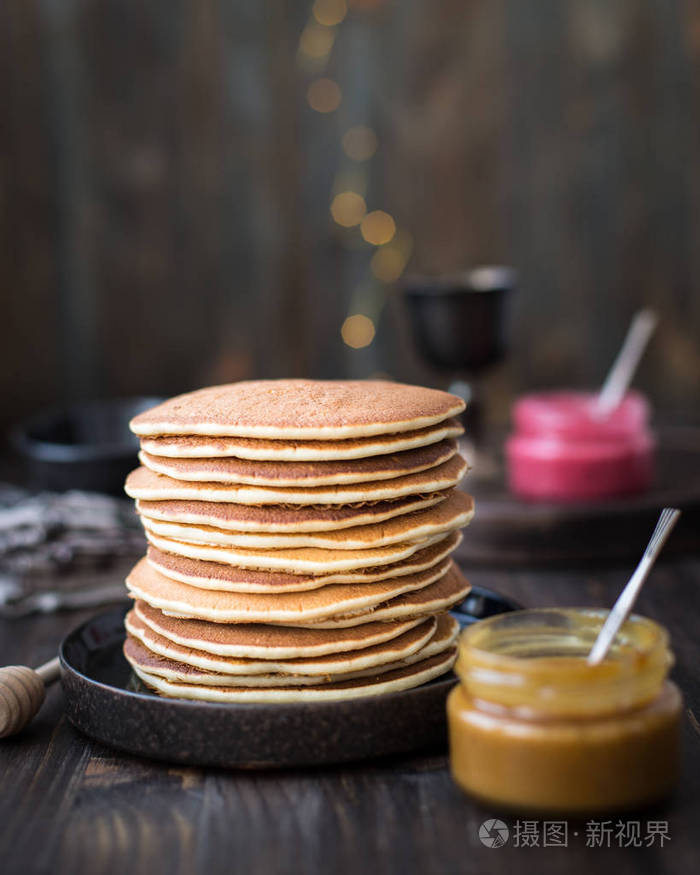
[69,806]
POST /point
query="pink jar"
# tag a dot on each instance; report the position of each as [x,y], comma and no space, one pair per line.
[561,451]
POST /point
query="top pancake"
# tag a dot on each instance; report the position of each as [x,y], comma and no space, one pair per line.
[262,450]
[299,409]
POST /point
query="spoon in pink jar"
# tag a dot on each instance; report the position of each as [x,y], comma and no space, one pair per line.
[623,369]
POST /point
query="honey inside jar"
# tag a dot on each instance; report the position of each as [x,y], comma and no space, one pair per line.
[535,728]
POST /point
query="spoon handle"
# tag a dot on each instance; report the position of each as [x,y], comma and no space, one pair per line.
[622,607]
[22,691]
[625,364]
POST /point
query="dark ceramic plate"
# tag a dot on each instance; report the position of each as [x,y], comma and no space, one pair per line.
[102,703]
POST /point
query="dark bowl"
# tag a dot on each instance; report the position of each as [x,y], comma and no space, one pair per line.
[84,446]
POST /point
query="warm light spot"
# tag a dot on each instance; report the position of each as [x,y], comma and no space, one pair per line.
[387,264]
[378,227]
[324,95]
[348,208]
[357,331]
[316,41]
[330,12]
[360,143]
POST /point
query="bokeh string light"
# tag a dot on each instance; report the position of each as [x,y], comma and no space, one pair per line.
[358,331]
[324,95]
[360,143]
[389,262]
[348,206]
[329,12]
[316,41]
[377,228]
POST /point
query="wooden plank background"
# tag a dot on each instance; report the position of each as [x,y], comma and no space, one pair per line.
[165,188]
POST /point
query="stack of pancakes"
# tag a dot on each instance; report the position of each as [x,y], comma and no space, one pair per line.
[299,541]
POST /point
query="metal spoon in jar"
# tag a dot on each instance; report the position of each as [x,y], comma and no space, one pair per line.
[622,607]
[624,366]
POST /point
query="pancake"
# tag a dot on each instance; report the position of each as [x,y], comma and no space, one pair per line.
[439,596]
[388,682]
[299,409]
[456,512]
[225,470]
[196,447]
[342,667]
[296,608]
[260,641]
[147,485]
[274,518]
[319,668]
[228,578]
[295,560]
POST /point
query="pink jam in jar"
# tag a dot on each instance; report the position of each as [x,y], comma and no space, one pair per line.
[562,451]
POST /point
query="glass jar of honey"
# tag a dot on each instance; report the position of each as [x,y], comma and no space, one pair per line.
[534,727]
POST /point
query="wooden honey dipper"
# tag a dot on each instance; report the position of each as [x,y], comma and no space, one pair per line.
[22,692]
